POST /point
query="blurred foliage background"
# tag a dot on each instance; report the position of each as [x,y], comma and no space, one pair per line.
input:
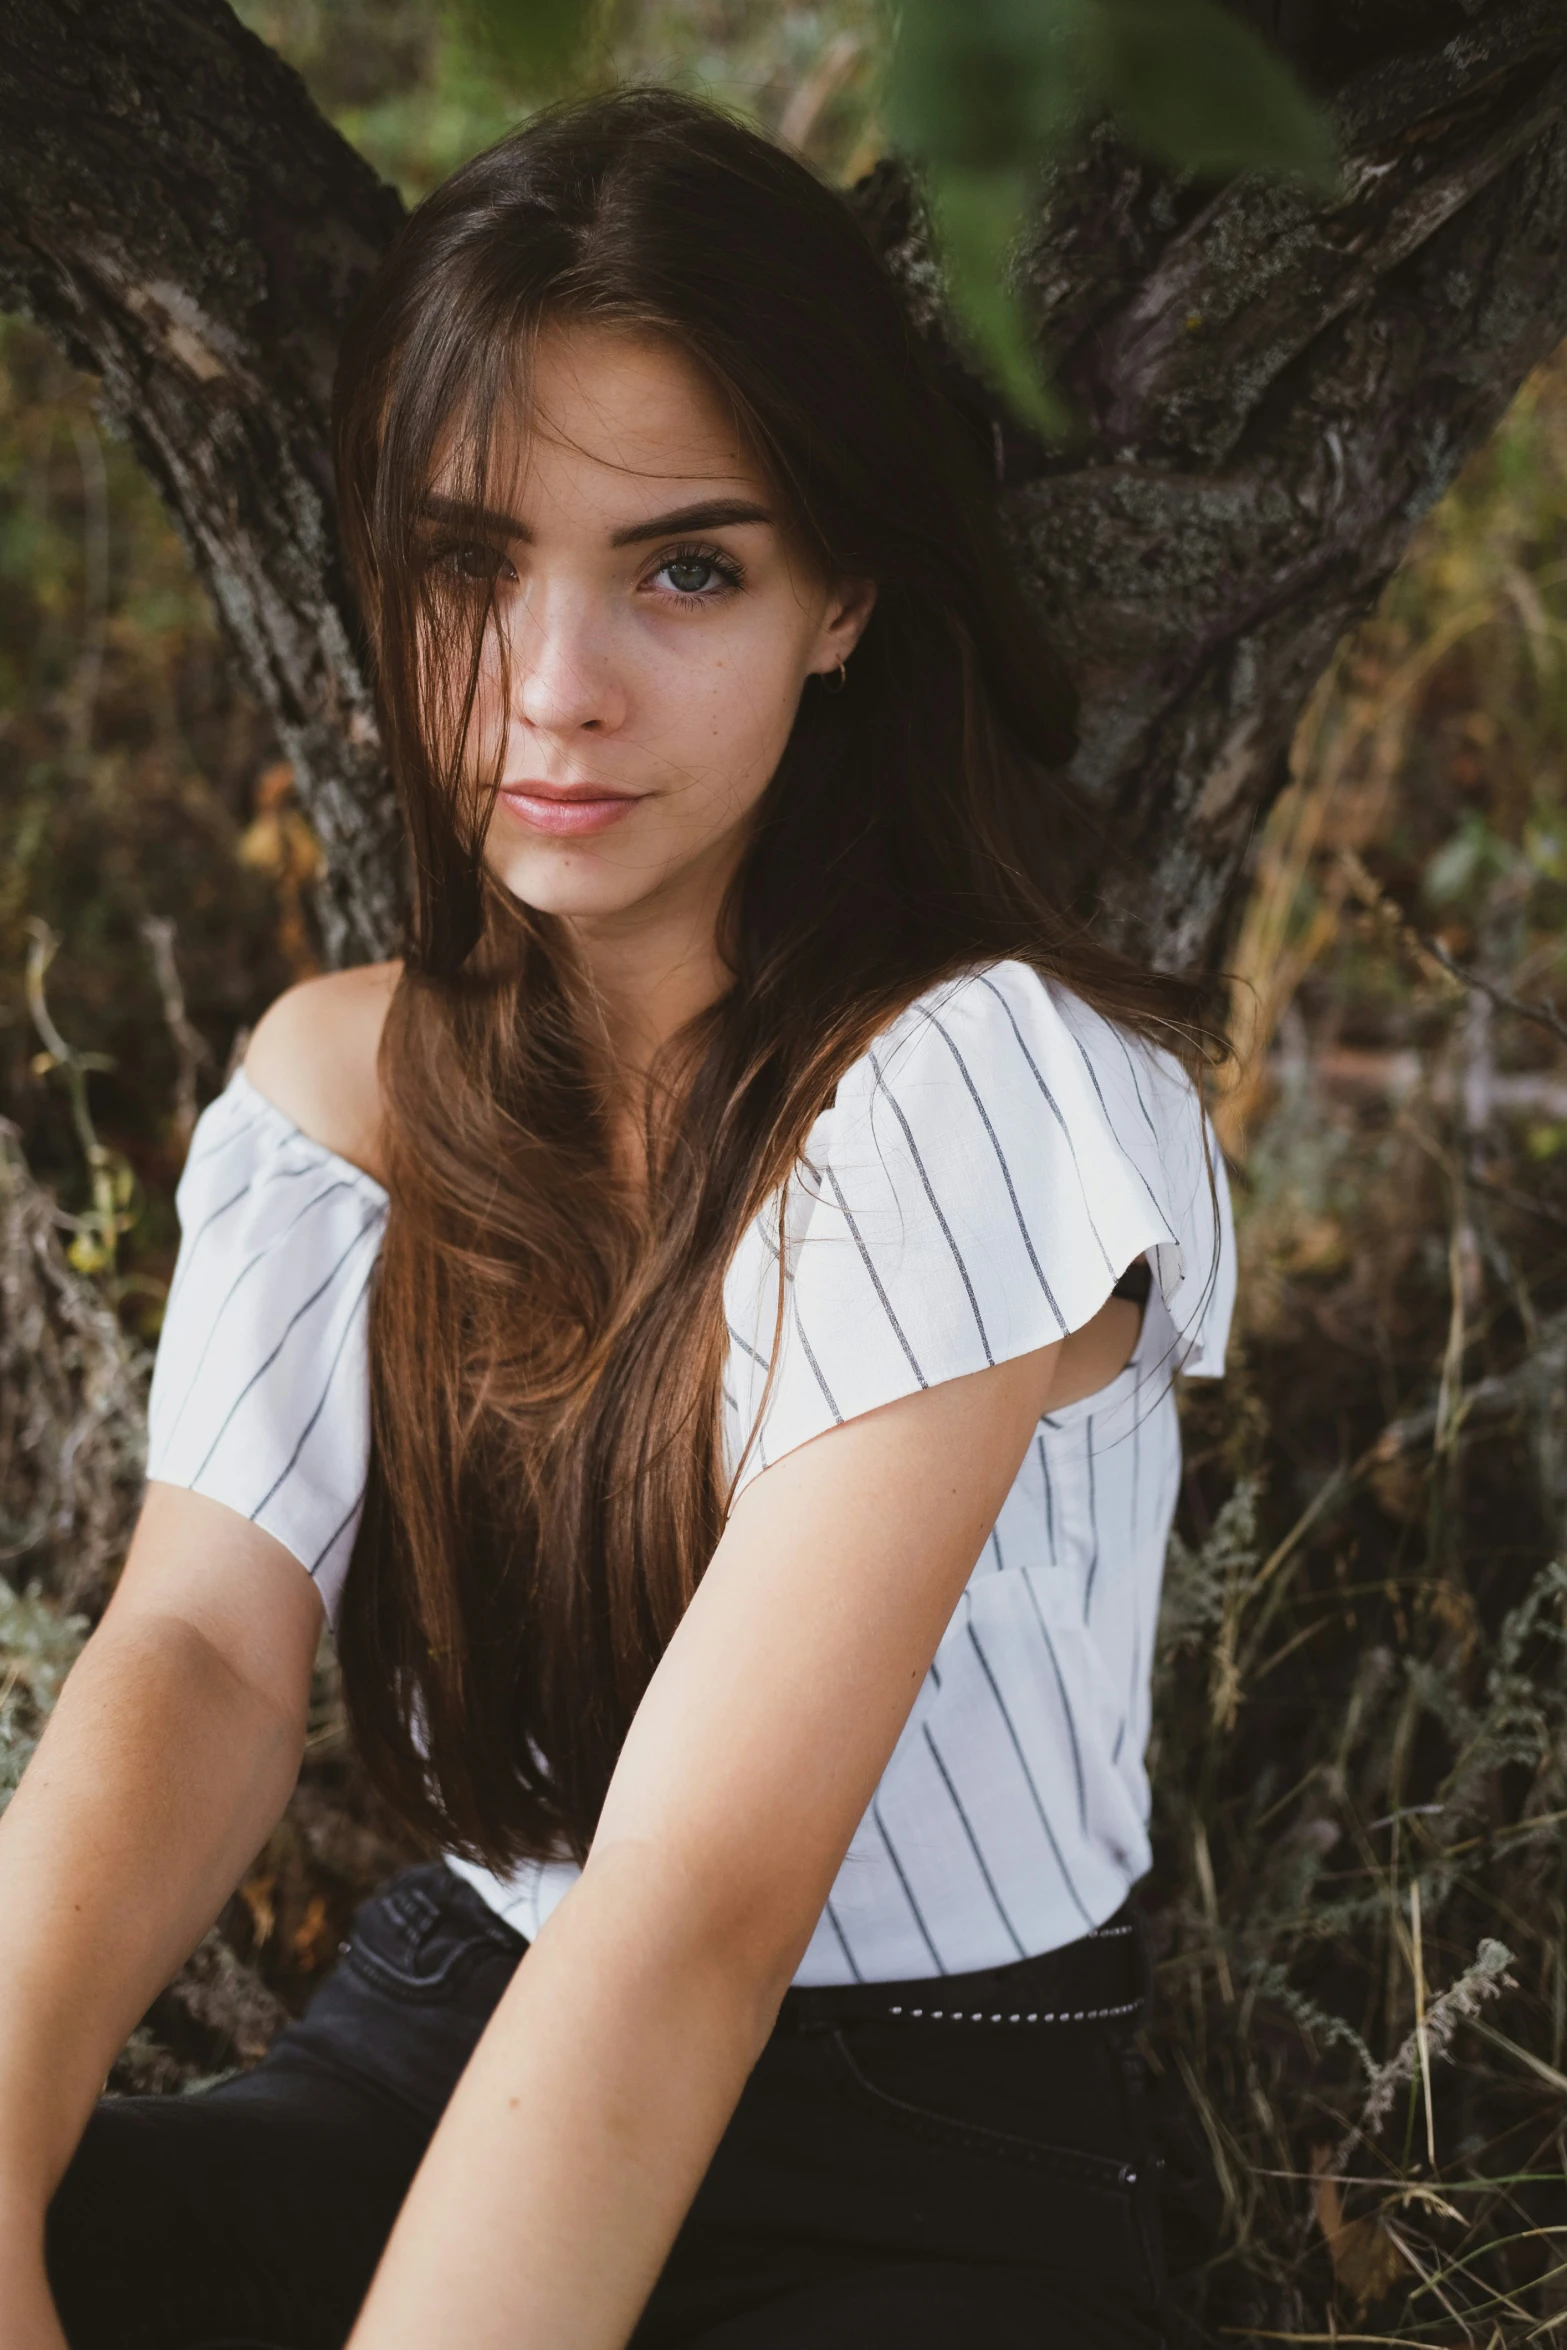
[1361,1754]
[418,86]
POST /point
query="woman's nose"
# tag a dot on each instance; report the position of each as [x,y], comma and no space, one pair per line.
[563,677]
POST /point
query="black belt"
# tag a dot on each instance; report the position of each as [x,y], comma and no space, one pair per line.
[1103,1978]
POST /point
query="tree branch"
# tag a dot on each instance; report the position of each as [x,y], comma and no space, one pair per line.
[177,214]
[1274,392]
[1271,391]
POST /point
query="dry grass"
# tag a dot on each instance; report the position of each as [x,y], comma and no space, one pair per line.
[1361,1746]
[72,1396]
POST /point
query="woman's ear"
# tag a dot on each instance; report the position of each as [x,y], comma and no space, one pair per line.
[849,607]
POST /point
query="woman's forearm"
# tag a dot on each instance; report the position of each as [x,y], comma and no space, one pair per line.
[158,1776]
[588,2115]
[580,2131]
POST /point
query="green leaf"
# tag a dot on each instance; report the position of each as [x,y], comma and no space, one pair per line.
[983,93]
[1199,89]
[977,215]
[982,84]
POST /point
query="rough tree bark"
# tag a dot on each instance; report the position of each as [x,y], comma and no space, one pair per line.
[177,214]
[1271,390]
[1274,392]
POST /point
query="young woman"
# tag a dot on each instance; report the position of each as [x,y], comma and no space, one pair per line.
[674,1324]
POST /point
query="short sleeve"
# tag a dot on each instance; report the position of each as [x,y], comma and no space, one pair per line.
[260,1391]
[988,1170]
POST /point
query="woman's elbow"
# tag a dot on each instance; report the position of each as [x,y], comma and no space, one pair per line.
[736,1925]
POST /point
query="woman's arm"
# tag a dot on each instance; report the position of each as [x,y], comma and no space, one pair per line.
[166,1762]
[580,2132]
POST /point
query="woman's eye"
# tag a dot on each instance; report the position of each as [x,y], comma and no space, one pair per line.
[691,572]
[475,564]
[689,577]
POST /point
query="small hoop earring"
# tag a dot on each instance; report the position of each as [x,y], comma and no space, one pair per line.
[834,684]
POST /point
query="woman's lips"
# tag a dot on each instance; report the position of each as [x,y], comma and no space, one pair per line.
[569,813]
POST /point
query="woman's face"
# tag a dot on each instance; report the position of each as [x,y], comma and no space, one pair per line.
[654,628]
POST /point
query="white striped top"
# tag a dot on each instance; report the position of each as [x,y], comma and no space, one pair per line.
[986,1171]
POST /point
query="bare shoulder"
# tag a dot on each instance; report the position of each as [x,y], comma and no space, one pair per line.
[314,1055]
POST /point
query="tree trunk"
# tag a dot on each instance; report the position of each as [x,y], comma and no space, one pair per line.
[175,211]
[1273,392]
[1270,390]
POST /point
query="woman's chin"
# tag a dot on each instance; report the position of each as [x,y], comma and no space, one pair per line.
[574,886]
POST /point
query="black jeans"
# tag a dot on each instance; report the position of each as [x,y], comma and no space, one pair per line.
[953,2165]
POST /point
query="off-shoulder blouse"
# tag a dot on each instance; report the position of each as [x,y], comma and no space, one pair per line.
[988,1168]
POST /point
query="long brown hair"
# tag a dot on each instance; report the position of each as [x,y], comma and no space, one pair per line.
[545,1341]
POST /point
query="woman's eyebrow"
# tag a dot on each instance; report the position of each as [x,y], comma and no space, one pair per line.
[709,514]
[706,514]
[473,516]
